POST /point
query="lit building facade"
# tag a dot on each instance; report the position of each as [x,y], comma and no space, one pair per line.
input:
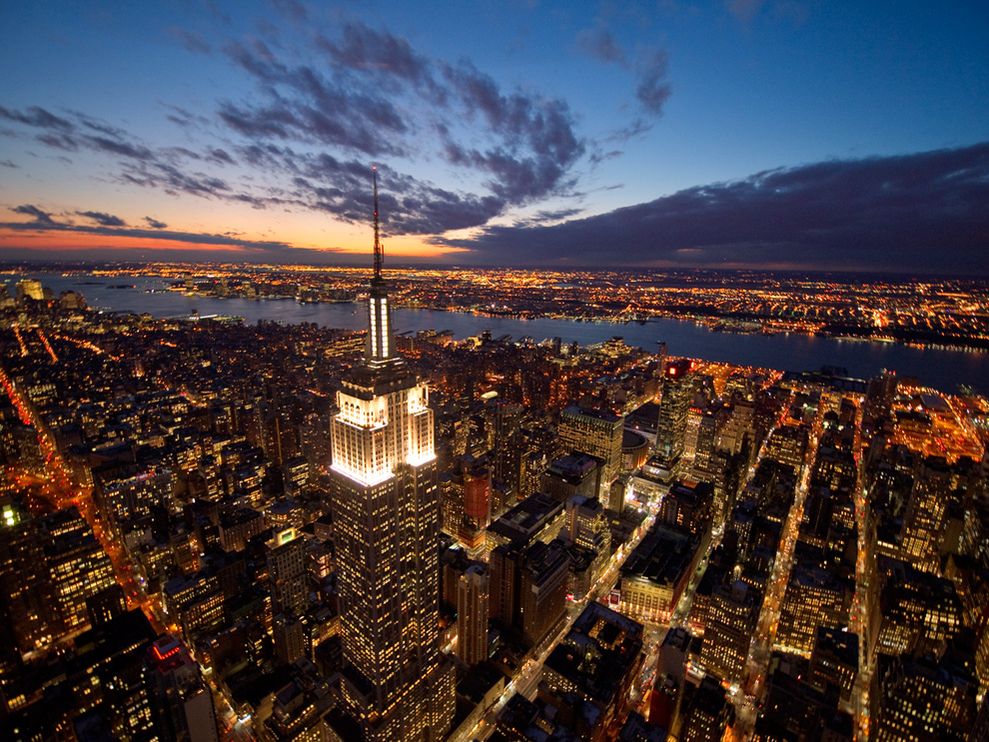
[472,614]
[386,519]
[596,433]
[671,426]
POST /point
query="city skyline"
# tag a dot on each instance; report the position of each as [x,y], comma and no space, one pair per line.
[219,530]
[743,134]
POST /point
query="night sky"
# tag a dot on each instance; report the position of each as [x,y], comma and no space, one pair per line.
[747,133]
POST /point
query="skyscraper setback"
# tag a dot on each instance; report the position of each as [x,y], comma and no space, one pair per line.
[386,520]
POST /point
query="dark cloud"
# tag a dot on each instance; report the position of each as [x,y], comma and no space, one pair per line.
[164,168]
[918,212]
[306,106]
[36,117]
[81,132]
[653,89]
[119,147]
[601,45]
[365,49]
[183,117]
[220,156]
[154,223]
[321,113]
[341,187]
[191,40]
[42,221]
[530,145]
[103,219]
[40,218]
[538,144]
[171,179]
[57,140]
[547,216]
[8,163]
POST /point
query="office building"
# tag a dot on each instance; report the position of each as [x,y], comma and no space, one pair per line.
[386,521]
[181,704]
[597,433]
[473,589]
[672,422]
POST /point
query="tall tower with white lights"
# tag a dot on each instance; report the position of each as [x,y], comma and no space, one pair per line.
[386,517]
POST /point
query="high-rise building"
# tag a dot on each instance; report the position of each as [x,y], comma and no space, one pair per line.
[671,426]
[587,526]
[181,704]
[386,520]
[707,715]
[289,638]
[286,557]
[813,598]
[543,589]
[30,288]
[78,565]
[596,433]
[731,621]
[921,698]
[834,660]
[924,519]
[472,614]
[27,603]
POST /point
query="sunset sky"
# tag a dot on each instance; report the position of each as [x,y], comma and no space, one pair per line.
[776,133]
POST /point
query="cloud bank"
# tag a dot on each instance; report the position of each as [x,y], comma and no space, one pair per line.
[923,212]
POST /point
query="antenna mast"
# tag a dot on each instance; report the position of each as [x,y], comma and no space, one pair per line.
[378,250]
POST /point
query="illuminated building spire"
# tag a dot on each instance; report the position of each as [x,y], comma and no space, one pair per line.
[394,682]
[380,347]
[378,251]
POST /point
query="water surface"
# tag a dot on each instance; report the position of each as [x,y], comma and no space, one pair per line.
[944,369]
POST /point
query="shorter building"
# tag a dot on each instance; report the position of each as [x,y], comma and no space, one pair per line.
[688,506]
[473,589]
[794,709]
[635,449]
[921,698]
[537,518]
[788,445]
[729,626]
[916,611]
[587,527]
[708,712]
[285,554]
[238,526]
[835,660]
[181,703]
[597,433]
[573,474]
[596,662]
[656,574]
[813,598]
[543,586]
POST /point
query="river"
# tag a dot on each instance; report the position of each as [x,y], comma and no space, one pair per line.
[943,369]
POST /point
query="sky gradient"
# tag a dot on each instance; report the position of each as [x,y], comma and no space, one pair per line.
[747,133]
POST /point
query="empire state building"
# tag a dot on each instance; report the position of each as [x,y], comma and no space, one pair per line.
[395,684]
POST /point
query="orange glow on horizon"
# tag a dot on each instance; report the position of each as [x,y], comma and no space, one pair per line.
[400,246]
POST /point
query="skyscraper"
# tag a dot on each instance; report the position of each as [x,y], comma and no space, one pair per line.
[672,423]
[596,433]
[472,614]
[286,557]
[386,520]
[181,704]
